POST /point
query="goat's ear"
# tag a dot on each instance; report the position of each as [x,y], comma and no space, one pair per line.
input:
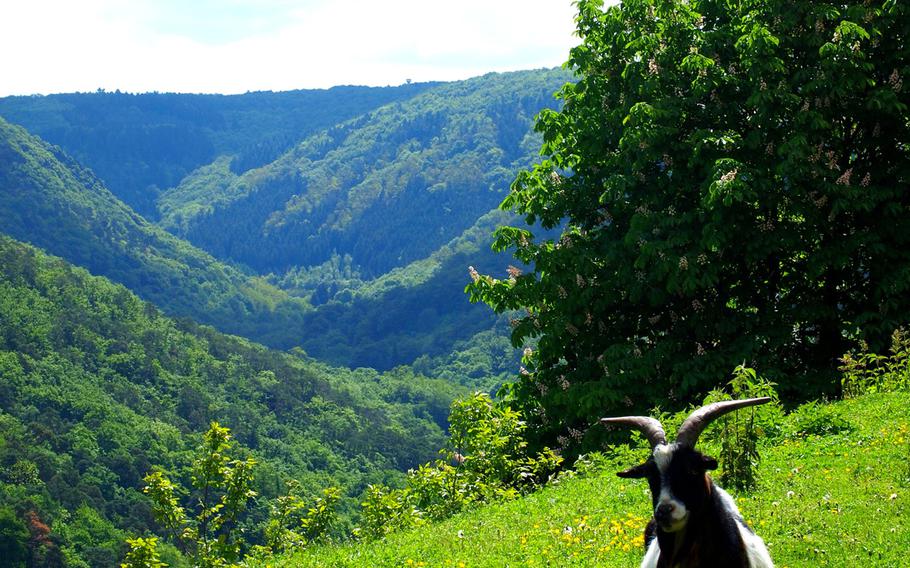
[635,472]
[709,463]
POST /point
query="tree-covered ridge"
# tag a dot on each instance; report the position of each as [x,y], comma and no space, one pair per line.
[141,144]
[199,193]
[419,310]
[98,386]
[417,240]
[414,311]
[49,200]
[387,188]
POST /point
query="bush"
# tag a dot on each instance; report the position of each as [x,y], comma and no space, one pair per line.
[295,524]
[212,535]
[739,435]
[388,510]
[814,419]
[865,372]
[486,459]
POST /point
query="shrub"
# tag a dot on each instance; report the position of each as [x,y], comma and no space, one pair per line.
[485,459]
[814,419]
[293,523]
[739,435]
[143,553]
[224,485]
[388,510]
[864,372]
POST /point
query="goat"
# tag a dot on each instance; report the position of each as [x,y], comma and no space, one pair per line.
[695,522]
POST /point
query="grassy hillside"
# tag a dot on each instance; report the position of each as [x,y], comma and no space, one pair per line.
[141,144]
[97,387]
[834,490]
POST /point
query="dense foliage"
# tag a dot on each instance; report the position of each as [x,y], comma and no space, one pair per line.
[412,312]
[207,530]
[731,180]
[486,459]
[142,144]
[98,386]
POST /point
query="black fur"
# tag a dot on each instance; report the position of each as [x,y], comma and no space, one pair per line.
[711,536]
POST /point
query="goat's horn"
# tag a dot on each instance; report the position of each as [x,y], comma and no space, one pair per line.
[695,424]
[650,427]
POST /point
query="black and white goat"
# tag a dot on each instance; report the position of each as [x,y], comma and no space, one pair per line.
[695,523]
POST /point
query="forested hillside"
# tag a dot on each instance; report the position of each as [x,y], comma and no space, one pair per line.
[387,188]
[51,201]
[375,220]
[97,387]
[142,144]
[418,310]
[414,311]
[716,186]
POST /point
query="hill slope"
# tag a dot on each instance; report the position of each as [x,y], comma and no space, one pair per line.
[144,143]
[840,499]
[387,188]
[49,200]
[52,202]
[410,312]
[397,196]
[98,386]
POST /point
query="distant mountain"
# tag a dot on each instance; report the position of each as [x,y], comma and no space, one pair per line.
[98,386]
[144,143]
[49,200]
[361,235]
[387,188]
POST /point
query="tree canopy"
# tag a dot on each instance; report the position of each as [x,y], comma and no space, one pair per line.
[730,181]
[97,386]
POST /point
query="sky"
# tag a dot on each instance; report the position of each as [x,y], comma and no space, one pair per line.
[235,46]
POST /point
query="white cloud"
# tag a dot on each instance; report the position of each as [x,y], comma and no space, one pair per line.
[59,46]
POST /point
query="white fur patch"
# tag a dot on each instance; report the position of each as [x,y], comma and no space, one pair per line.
[755,547]
[679,514]
[652,555]
[663,453]
[728,503]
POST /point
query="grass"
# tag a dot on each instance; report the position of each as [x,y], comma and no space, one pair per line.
[836,500]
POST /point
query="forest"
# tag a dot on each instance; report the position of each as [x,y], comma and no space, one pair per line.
[379,326]
[142,144]
[99,387]
[89,360]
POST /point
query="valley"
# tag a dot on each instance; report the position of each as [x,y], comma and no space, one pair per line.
[342,248]
[426,324]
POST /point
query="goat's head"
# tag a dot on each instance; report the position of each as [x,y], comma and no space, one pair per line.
[677,472]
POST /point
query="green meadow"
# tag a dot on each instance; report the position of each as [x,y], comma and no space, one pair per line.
[833,488]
